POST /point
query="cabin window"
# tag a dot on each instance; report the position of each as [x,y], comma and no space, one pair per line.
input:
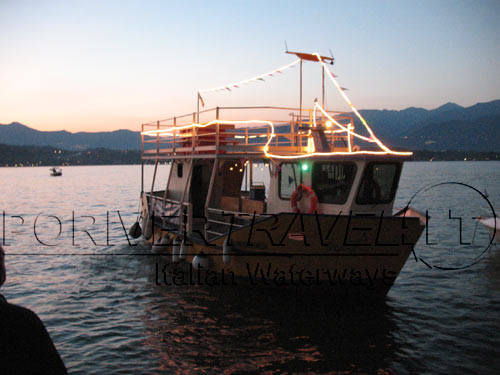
[332,181]
[379,183]
[179,170]
[289,178]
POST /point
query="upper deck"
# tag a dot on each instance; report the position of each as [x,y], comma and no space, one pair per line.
[262,132]
[215,133]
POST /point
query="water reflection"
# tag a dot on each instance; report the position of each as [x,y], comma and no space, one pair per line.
[227,330]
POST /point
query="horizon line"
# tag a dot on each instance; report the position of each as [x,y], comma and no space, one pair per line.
[127,129]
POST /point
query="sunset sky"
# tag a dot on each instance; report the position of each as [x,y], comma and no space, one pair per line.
[107,65]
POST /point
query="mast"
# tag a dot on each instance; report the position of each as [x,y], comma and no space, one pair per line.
[300,106]
[323,86]
[198,108]
[310,57]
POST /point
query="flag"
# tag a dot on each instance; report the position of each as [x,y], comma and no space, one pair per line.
[201,100]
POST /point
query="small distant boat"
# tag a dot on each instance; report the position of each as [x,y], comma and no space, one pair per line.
[55,171]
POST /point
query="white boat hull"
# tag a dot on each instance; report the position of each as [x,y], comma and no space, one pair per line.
[493,225]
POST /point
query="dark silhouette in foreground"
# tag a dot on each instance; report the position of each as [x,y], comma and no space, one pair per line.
[25,344]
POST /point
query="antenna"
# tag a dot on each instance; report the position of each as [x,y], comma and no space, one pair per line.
[331,54]
[286,47]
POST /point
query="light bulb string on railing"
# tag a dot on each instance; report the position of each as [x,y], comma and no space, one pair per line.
[346,98]
[343,129]
[236,85]
[310,149]
[169,132]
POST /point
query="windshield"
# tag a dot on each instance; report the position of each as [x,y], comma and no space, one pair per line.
[332,181]
[379,183]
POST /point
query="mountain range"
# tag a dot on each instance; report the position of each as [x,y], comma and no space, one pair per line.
[22,135]
[448,127]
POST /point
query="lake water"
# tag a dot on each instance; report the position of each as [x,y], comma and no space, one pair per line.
[107,316]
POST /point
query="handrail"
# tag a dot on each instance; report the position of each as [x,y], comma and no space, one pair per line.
[182,116]
[244,216]
[219,210]
[239,108]
[182,206]
[225,223]
[240,136]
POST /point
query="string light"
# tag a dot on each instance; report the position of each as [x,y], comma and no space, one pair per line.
[386,150]
[253,79]
[346,98]
[342,127]
[310,149]
[310,143]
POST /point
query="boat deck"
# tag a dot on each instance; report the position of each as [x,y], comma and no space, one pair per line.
[188,137]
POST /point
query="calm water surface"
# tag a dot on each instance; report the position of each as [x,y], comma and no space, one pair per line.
[107,316]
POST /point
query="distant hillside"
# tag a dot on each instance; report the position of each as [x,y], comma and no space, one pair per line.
[480,134]
[26,156]
[18,134]
[448,127]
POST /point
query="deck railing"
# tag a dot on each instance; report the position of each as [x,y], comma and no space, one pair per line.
[171,213]
[178,137]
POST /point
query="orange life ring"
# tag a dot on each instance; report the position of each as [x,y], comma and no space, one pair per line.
[297,196]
